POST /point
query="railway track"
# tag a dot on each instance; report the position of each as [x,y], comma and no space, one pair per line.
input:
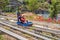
[33,36]
[39,32]
[17,33]
[52,30]
[12,34]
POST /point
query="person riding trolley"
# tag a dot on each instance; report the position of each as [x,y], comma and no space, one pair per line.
[21,20]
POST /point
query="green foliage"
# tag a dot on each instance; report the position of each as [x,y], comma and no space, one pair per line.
[56,8]
[9,9]
[3,3]
[45,6]
[32,4]
[41,1]
[1,38]
[53,2]
[52,8]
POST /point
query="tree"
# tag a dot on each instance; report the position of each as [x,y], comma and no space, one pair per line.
[56,8]
[32,4]
[3,3]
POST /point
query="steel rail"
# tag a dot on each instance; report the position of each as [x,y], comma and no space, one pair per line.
[47,29]
[12,34]
[25,31]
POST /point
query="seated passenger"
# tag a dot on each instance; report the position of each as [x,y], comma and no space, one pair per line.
[22,19]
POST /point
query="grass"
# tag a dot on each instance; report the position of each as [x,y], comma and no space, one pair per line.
[1,37]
